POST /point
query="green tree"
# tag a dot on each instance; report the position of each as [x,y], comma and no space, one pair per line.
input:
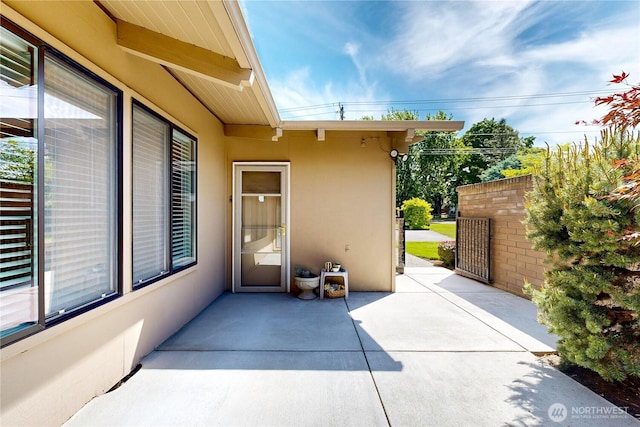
[436,172]
[584,213]
[522,163]
[496,139]
[429,176]
[407,185]
[496,171]
[530,159]
[17,162]
[591,294]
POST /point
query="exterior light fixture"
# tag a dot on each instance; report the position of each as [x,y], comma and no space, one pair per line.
[396,155]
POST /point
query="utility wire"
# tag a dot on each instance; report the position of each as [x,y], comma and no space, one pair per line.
[458,100]
[468,150]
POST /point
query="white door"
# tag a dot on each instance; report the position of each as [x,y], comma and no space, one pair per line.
[260,222]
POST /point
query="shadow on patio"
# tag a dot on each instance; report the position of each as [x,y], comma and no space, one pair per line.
[436,352]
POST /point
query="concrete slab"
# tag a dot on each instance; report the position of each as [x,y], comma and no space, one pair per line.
[231,388]
[447,280]
[268,322]
[486,389]
[431,272]
[412,261]
[512,316]
[406,284]
[421,322]
[442,351]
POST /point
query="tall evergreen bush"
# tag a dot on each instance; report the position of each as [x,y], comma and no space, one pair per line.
[582,213]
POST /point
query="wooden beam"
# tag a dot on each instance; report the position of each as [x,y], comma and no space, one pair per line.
[409,134]
[277,134]
[183,56]
[320,134]
[266,133]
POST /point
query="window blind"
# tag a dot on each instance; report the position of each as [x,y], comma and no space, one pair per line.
[80,189]
[183,200]
[150,196]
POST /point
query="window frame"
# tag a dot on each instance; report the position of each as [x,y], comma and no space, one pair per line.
[117,212]
[172,269]
[43,50]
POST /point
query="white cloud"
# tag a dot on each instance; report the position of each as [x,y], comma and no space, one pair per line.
[472,50]
[435,37]
[352,49]
[465,49]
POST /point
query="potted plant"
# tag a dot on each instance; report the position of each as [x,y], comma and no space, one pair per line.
[306,281]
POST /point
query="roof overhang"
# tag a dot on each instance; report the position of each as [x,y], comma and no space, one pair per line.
[397,129]
[206,46]
[183,56]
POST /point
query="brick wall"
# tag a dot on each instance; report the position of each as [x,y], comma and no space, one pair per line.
[512,258]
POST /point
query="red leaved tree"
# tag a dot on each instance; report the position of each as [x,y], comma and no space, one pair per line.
[624,115]
[624,107]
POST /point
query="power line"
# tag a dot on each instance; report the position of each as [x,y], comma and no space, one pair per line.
[458,100]
[481,107]
[467,150]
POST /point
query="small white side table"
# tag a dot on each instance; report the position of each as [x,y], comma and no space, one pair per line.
[343,273]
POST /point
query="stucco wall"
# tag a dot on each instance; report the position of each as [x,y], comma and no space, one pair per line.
[512,259]
[342,201]
[47,377]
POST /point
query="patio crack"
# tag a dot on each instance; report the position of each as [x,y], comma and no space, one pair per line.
[364,353]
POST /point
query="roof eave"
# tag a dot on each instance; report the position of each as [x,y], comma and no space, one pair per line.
[374,125]
[248,52]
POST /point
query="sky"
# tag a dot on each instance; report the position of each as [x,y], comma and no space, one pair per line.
[537,64]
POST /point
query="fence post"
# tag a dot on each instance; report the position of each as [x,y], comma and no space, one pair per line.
[401,242]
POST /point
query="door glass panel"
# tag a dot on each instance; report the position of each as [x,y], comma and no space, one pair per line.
[261,233]
[261,182]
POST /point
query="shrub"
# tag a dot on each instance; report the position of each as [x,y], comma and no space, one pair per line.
[578,215]
[447,252]
[417,213]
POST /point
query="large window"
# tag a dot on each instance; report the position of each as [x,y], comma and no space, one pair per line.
[80,143]
[18,176]
[150,196]
[60,211]
[164,189]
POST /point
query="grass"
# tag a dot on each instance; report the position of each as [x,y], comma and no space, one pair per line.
[446,228]
[427,250]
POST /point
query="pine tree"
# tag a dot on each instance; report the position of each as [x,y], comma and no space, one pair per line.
[591,295]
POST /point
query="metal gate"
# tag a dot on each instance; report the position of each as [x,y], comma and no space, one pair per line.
[473,251]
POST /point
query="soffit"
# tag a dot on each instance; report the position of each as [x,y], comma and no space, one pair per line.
[213,27]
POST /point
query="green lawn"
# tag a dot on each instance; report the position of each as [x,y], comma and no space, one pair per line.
[446,228]
[428,250]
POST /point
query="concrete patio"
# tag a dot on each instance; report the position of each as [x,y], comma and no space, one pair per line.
[441,351]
